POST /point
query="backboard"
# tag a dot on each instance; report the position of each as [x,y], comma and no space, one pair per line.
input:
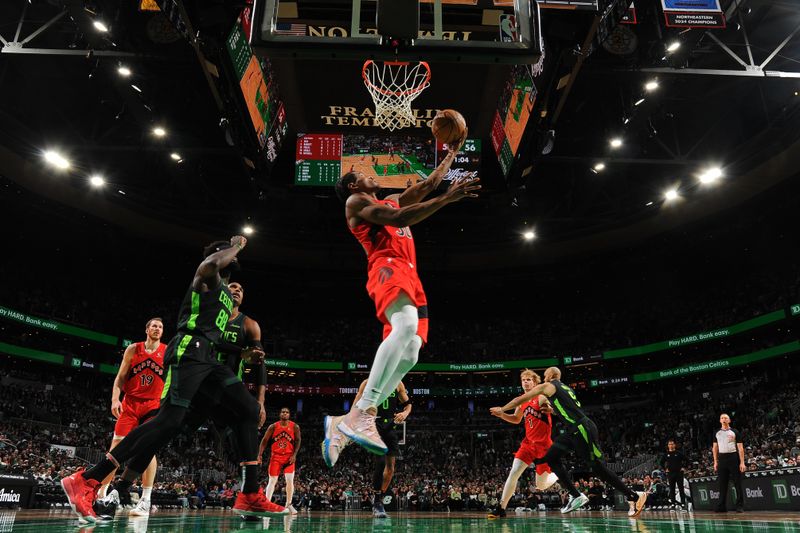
[469,31]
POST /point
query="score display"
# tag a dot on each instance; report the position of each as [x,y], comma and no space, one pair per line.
[394,162]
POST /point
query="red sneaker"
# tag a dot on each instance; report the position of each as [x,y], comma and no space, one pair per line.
[256,504]
[81,493]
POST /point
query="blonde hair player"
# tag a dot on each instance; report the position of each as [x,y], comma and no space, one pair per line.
[538,426]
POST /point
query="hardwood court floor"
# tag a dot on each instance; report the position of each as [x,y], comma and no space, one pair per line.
[44,521]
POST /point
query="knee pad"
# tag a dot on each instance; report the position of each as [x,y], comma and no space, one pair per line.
[405,322]
[411,353]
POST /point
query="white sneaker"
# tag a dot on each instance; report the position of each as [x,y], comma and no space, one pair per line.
[142,508]
[635,508]
[112,498]
[292,509]
[335,441]
[360,426]
[575,503]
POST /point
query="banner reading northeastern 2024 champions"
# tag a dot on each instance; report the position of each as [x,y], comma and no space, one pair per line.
[693,13]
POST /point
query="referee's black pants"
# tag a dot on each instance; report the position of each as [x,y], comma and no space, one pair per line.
[727,471]
[675,484]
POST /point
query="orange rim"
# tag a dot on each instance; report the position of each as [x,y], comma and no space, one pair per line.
[381,90]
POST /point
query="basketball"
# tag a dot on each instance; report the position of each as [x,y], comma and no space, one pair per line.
[448,126]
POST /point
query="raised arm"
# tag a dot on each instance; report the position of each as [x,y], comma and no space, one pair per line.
[546,389]
[416,193]
[516,418]
[208,272]
[122,373]
[359,206]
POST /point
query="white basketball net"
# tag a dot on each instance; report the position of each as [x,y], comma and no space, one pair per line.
[393,86]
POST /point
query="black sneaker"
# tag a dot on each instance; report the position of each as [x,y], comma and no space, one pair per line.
[497,512]
[105,509]
[124,498]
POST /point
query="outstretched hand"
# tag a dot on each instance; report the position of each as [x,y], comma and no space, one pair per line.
[253,355]
[462,188]
[496,411]
[238,240]
[455,147]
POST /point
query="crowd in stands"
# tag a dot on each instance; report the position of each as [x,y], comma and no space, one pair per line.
[454,459]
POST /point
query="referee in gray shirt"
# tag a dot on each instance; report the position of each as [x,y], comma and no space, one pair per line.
[728,453]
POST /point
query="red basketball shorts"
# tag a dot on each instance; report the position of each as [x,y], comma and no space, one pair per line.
[278,464]
[388,277]
[134,412]
[528,452]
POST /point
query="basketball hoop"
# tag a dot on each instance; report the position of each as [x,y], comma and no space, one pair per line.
[393,86]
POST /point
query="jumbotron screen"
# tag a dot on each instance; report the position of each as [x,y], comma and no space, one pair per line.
[395,162]
[511,117]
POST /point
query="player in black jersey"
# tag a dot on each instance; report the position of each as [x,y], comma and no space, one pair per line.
[392,411]
[580,437]
[191,360]
[241,333]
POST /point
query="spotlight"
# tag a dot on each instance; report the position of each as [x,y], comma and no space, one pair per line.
[56,159]
[671,194]
[626,120]
[124,71]
[529,235]
[175,156]
[651,85]
[674,45]
[648,204]
[135,88]
[99,26]
[711,175]
[97,181]
[616,142]
[639,102]
[158,131]
[248,230]
[600,167]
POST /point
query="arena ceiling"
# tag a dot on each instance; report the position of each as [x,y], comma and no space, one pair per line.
[714,106]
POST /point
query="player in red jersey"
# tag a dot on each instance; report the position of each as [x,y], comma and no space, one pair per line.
[382,228]
[141,377]
[538,426]
[285,436]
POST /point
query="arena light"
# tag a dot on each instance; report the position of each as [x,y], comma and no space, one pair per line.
[648,204]
[124,71]
[599,167]
[158,131]
[674,45]
[529,235]
[671,194]
[135,88]
[639,102]
[710,176]
[248,230]
[56,159]
[175,156]
[616,142]
[651,85]
[97,181]
[99,26]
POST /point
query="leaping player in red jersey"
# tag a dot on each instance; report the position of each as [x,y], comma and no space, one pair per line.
[538,425]
[285,436]
[141,377]
[382,228]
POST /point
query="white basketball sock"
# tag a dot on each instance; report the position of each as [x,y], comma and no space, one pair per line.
[517,468]
[404,320]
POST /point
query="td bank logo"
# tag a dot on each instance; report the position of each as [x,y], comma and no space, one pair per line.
[781,491]
[703,495]
[567,360]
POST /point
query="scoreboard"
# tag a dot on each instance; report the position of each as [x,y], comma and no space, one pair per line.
[394,162]
[318,159]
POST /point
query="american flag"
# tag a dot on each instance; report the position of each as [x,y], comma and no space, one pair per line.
[290,29]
